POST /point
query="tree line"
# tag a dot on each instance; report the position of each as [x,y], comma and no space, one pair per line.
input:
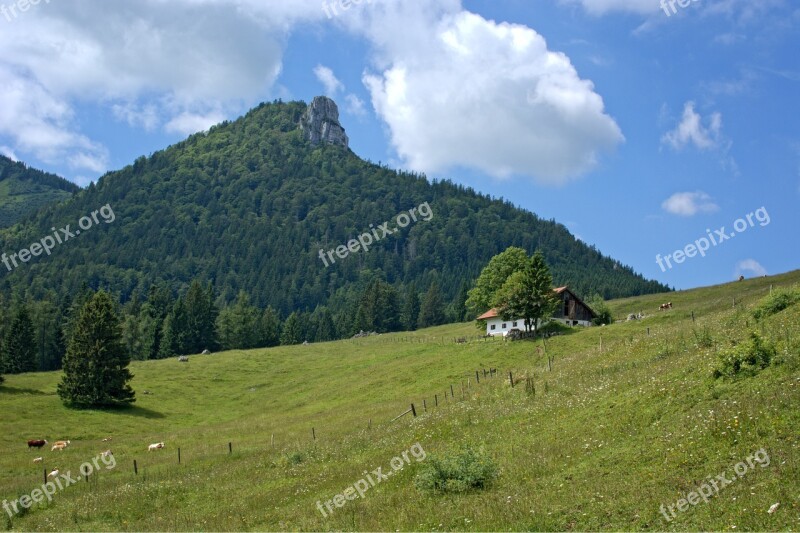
[35,336]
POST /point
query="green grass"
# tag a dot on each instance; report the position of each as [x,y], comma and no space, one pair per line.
[606,439]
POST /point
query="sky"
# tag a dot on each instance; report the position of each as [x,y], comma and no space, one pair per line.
[666,135]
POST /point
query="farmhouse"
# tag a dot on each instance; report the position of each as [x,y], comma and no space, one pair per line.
[571,311]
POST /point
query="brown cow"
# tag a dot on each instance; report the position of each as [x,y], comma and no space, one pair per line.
[36,444]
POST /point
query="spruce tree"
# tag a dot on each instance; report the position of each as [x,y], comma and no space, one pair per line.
[96,363]
[292,331]
[270,330]
[410,308]
[19,346]
[431,311]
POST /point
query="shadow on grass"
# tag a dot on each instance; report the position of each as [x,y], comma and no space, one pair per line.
[123,410]
[33,392]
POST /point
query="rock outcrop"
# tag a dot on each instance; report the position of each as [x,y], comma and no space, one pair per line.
[320,123]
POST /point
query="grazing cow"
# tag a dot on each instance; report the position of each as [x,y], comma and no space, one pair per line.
[36,444]
[107,439]
[60,445]
[741,278]
[106,453]
[53,474]
[665,306]
[38,460]
[156,446]
[183,359]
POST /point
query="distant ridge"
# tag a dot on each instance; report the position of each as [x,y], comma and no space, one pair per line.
[25,190]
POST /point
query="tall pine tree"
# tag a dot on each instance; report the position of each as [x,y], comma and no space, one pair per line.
[292,331]
[96,363]
[431,311]
[19,346]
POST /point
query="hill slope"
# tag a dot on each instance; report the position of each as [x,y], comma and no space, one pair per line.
[607,438]
[249,205]
[24,190]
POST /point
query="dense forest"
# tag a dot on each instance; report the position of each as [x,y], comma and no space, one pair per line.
[24,190]
[243,211]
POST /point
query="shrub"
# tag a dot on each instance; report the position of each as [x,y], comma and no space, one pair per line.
[703,339]
[458,472]
[776,302]
[602,311]
[747,358]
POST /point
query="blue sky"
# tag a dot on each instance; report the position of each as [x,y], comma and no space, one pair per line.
[640,131]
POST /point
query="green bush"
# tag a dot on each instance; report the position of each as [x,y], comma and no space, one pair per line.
[458,472]
[602,311]
[748,358]
[776,302]
[703,339]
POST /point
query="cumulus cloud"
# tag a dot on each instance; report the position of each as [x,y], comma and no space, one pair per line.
[329,80]
[752,266]
[687,204]
[692,131]
[140,59]
[463,91]
[355,105]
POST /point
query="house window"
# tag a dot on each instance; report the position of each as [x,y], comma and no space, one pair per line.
[494,326]
[514,324]
[505,325]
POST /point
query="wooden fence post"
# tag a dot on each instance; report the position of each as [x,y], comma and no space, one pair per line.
[179,456]
[45,476]
[425,405]
[230,448]
[135,468]
[511,379]
[436,399]
[693,313]
[313,434]
[413,411]
[452,394]
[477,377]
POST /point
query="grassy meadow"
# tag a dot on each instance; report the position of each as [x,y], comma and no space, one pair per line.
[609,435]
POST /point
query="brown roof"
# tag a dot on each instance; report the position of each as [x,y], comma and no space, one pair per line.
[494,313]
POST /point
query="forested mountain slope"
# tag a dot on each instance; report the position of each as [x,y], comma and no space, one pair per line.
[249,204]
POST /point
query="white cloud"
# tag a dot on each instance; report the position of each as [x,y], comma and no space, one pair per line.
[692,131]
[355,105]
[687,204]
[142,61]
[9,153]
[328,79]
[458,90]
[189,123]
[752,266]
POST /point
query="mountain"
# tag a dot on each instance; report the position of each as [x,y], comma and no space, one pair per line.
[24,190]
[252,205]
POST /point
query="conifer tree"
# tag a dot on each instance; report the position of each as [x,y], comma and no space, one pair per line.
[292,331]
[19,346]
[431,311]
[96,363]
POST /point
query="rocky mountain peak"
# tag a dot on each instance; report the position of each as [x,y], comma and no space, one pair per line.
[321,124]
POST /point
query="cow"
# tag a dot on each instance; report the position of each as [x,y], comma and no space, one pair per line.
[741,278]
[36,444]
[38,460]
[60,445]
[183,359]
[664,307]
[156,446]
[53,474]
[107,439]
